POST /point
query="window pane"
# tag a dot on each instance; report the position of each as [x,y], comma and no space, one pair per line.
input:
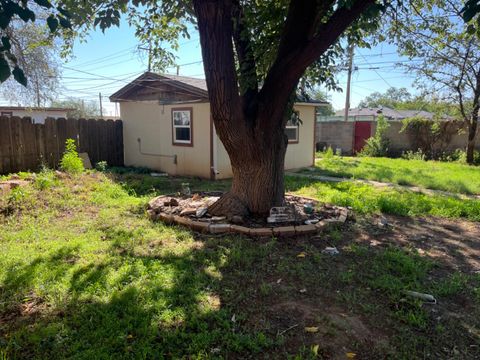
[291,133]
[182,134]
[181,118]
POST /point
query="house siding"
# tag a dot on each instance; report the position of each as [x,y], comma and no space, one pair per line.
[152,123]
[298,154]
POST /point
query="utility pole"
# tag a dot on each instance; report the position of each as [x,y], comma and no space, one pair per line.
[178,70]
[149,49]
[101,110]
[349,79]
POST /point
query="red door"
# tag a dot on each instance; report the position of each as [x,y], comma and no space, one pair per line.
[363,130]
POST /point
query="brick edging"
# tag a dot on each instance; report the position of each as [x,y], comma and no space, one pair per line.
[223,228]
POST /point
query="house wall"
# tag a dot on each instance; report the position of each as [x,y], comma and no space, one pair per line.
[298,155]
[152,123]
[38,117]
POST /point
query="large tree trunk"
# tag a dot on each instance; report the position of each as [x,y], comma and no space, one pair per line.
[472,131]
[251,122]
[258,176]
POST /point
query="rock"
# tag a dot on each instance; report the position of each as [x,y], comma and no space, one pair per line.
[330,250]
[188,211]
[311,221]
[218,218]
[151,214]
[382,222]
[212,199]
[196,204]
[171,202]
[201,211]
[281,214]
[237,219]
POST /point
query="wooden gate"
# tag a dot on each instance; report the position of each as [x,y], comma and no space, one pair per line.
[363,131]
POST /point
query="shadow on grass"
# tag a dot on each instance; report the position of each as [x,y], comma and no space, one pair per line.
[129,305]
[144,184]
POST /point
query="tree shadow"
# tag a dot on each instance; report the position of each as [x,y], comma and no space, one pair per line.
[144,184]
[117,308]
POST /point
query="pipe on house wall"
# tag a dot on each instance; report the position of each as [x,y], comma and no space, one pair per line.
[174,157]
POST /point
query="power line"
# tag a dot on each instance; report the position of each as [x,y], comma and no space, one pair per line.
[381,77]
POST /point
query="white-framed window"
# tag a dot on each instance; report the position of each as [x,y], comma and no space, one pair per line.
[292,131]
[182,126]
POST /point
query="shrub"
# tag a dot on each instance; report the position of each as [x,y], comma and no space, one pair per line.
[328,154]
[377,145]
[71,162]
[101,166]
[413,155]
[460,155]
[432,136]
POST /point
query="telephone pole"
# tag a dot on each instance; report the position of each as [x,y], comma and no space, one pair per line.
[101,110]
[349,79]
[149,49]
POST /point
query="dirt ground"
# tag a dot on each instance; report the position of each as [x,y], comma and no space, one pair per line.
[349,320]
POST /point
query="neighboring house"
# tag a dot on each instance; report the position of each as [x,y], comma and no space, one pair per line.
[167,126]
[360,114]
[38,115]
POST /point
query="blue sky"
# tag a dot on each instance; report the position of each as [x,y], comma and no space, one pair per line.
[106,62]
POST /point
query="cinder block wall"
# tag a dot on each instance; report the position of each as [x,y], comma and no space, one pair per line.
[336,134]
[340,134]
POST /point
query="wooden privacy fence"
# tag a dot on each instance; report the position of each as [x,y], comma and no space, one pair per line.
[25,146]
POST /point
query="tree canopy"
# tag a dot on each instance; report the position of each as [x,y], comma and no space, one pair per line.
[37,54]
[445,55]
[254,55]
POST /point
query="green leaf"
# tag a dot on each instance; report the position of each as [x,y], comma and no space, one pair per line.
[44,3]
[64,12]
[52,23]
[4,69]
[65,23]
[19,75]
[25,14]
[4,20]
[6,43]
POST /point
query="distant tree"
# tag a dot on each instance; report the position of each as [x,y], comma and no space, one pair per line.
[37,53]
[445,55]
[320,95]
[391,98]
[81,109]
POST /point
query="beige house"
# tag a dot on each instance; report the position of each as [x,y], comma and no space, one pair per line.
[38,115]
[167,127]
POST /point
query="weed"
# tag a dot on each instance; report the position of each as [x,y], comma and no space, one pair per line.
[71,162]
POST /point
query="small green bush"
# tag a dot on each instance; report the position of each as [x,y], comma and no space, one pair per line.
[71,162]
[328,153]
[460,156]
[377,145]
[414,155]
[101,166]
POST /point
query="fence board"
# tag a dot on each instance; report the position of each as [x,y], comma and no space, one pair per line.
[25,146]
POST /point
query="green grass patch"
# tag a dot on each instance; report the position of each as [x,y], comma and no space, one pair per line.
[84,274]
[446,176]
[367,199]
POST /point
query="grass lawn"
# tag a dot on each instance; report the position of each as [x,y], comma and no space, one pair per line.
[447,176]
[85,275]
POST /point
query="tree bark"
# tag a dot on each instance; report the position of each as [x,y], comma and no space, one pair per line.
[251,123]
[258,176]
[472,131]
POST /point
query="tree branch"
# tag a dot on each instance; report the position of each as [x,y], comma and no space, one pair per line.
[248,70]
[215,29]
[292,62]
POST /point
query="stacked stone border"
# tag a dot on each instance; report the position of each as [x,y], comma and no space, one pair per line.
[224,228]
